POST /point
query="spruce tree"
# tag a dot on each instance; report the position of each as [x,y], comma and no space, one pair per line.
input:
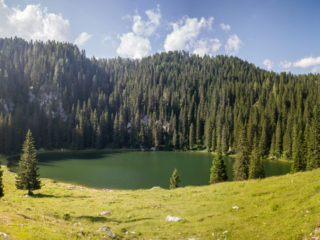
[241,165]
[218,171]
[314,140]
[298,155]
[28,176]
[175,179]
[1,185]
[256,169]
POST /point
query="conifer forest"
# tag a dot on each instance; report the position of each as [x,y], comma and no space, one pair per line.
[171,100]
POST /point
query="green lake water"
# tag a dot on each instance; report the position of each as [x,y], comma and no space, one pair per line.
[134,170]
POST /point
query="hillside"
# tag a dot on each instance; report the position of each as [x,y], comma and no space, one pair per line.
[285,207]
[171,100]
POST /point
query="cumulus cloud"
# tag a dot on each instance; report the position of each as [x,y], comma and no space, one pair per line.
[185,32]
[82,38]
[33,23]
[203,47]
[307,62]
[134,46]
[268,63]
[233,44]
[285,64]
[225,27]
[147,28]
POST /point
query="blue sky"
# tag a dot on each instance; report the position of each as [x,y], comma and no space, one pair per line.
[275,35]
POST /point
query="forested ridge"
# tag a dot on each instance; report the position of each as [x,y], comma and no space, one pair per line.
[171,100]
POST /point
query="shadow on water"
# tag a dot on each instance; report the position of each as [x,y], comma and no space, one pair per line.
[44,159]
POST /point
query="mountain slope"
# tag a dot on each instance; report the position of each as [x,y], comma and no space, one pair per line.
[285,207]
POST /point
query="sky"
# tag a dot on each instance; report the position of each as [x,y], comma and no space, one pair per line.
[274,35]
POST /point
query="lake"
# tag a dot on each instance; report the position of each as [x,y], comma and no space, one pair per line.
[134,170]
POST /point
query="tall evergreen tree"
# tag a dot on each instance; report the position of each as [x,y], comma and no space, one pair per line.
[218,171]
[1,185]
[28,176]
[256,169]
[175,179]
[314,140]
[298,155]
[241,165]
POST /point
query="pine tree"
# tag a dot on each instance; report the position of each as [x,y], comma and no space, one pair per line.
[175,179]
[298,155]
[191,136]
[28,176]
[1,185]
[278,144]
[256,169]
[241,165]
[218,171]
[314,140]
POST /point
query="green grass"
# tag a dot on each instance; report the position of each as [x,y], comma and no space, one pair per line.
[286,207]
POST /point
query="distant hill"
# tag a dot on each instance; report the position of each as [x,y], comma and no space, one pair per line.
[170,100]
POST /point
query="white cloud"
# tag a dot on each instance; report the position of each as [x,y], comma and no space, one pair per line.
[233,44]
[185,32]
[268,63]
[82,38]
[225,27]
[33,23]
[215,44]
[203,47]
[147,28]
[285,64]
[307,62]
[134,46]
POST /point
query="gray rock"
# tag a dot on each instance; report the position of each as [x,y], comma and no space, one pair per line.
[6,236]
[105,213]
[104,229]
[173,219]
[111,234]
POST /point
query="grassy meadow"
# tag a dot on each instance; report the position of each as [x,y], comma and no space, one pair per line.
[285,207]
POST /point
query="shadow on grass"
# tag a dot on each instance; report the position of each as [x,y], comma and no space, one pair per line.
[41,195]
[104,219]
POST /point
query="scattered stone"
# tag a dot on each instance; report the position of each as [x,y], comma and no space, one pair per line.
[104,229]
[235,207]
[173,219]
[4,235]
[225,232]
[193,238]
[291,180]
[71,187]
[27,208]
[155,187]
[111,234]
[77,224]
[105,213]
[26,195]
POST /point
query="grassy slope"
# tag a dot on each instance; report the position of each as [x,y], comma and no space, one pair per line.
[286,207]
